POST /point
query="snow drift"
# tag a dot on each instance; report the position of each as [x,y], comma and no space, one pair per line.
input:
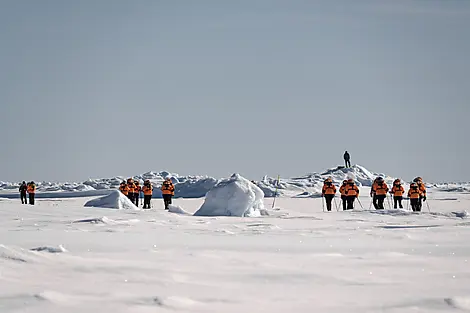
[235,196]
[115,200]
[308,185]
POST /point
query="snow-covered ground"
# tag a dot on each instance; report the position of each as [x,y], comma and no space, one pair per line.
[60,256]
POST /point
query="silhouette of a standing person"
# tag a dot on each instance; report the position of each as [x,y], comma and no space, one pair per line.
[347,157]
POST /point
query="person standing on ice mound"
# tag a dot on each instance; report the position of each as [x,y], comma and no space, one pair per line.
[137,191]
[328,191]
[422,190]
[397,192]
[347,157]
[342,190]
[31,192]
[147,190]
[23,189]
[352,192]
[168,191]
[379,193]
[414,194]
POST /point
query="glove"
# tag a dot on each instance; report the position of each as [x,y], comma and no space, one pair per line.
[424,198]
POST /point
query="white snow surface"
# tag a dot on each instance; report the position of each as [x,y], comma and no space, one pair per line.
[235,196]
[308,185]
[59,256]
[115,200]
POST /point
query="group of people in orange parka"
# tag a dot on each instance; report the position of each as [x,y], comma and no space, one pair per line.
[132,190]
[379,190]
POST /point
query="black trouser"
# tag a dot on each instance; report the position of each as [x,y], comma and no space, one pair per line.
[130,195]
[167,201]
[147,199]
[374,202]
[343,199]
[23,198]
[328,199]
[415,205]
[136,198]
[420,203]
[350,201]
[380,202]
[31,198]
[397,199]
[347,163]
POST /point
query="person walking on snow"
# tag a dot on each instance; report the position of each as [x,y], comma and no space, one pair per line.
[379,193]
[137,191]
[23,189]
[347,158]
[414,194]
[131,188]
[328,191]
[147,189]
[168,191]
[31,192]
[397,192]
[352,192]
[123,188]
[372,194]
[342,190]
[422,190]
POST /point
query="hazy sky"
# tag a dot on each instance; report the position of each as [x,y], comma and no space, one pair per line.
[96,88]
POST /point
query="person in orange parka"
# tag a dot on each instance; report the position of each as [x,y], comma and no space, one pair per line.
[123,188]
[131,188]
[414,194]
[397,192]
[147,189]
[31,192]
[137,191]
[342,190]
[422,189]
[379,193]
[328,191]
[168,191]
[352,192]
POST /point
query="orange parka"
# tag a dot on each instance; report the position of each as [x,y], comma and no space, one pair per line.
[380,189]
[147,190]
[31,188]
[351,190]
[414,192]
[168,188]
[328,189]
[397,190]
[124,189]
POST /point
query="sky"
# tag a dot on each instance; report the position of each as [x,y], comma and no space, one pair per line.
[92,89]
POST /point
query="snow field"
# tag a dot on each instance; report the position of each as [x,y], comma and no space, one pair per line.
[297,258]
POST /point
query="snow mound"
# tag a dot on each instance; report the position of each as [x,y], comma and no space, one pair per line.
[115,200]
[177,210]
[106,221]
[59,249]
[235,196]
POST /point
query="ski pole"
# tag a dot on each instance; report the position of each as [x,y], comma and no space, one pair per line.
[389,205]
[323,203]
[336,204]
[360,203]
[429,209]
[275,194]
